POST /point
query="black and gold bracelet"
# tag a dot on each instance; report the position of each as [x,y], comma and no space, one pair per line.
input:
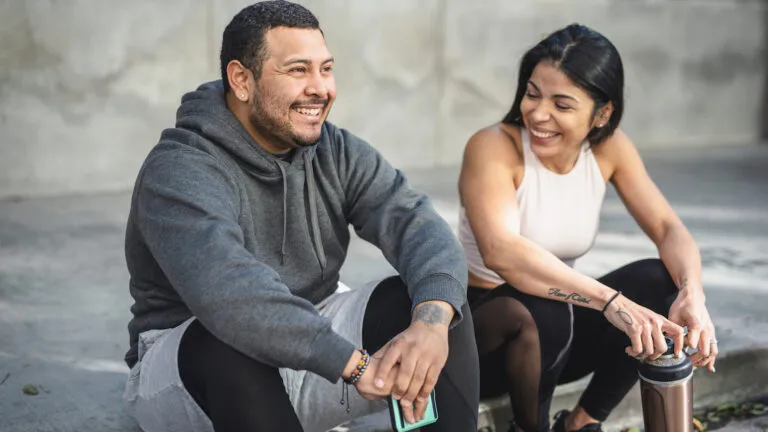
[361,366]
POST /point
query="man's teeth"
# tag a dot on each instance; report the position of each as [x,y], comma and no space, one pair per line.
[543,134]
[309,111]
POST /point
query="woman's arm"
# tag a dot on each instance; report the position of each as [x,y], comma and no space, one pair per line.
[487,190]
[488,194]
[653,213]
[676,246]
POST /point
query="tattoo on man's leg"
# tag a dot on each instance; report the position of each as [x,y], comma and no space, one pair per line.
[432,314]
[625,316]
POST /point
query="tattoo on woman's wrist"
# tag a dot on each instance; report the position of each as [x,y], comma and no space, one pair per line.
[683,284]
[431,314]
[556,292]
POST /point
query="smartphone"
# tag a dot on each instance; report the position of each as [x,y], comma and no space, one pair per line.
[399,424]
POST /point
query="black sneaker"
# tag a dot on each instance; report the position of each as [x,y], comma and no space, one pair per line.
[512,427]
[559,425]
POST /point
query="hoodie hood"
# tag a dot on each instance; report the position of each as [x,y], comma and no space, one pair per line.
[205,112]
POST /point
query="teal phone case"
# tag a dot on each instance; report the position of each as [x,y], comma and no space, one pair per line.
[399,424]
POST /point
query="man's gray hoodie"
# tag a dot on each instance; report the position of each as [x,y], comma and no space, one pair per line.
[246,242]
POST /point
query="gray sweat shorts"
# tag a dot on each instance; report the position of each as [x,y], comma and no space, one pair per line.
[155,396]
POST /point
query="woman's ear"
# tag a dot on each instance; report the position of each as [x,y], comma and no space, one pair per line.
[603,115]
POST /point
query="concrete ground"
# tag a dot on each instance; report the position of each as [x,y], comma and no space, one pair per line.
[64,299]
[759,424]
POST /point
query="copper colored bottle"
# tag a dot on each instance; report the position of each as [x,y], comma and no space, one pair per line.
[666,391]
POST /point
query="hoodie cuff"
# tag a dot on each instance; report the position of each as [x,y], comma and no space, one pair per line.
[442,287]
[330,355]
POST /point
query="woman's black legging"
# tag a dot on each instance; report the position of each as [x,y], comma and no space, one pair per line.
[229,385]
[536,343]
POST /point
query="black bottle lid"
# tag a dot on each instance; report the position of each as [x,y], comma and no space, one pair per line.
[666,368]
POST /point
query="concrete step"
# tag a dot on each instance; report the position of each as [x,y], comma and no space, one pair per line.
[741,375]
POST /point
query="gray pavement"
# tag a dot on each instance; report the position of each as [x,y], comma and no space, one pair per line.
[759,424]
[64,299]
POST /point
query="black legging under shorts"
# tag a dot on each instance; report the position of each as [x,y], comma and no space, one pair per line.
[239,393]
[528,345]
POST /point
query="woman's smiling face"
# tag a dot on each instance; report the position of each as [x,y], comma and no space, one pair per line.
[557,113]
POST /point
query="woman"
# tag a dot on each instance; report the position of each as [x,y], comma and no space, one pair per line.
[531,189]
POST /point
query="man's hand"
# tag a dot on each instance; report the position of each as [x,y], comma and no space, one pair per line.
[421,352]
[366,387]
[689,310]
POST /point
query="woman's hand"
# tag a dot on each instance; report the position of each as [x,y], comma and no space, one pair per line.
[689,310]
[644,327]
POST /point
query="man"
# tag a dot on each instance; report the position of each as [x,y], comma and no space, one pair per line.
[237,231]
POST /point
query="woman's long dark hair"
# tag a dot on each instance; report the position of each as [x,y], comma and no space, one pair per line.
[590,60]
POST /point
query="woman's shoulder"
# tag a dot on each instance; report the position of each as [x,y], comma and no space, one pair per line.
[498,141]
[616,150]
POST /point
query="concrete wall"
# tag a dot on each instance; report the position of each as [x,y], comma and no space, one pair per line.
[86,86]
[764,114]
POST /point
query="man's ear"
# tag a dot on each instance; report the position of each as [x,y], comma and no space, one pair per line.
[239,80]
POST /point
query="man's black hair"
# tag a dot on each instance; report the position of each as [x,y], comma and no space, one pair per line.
[244,37]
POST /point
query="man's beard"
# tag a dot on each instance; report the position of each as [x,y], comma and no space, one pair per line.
[281,131]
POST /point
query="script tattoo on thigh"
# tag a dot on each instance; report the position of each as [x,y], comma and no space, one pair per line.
[556,292]
[625,316]
[431,314]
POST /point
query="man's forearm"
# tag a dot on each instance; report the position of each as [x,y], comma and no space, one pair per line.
[433,312]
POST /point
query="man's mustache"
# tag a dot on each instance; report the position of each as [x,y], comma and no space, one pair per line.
[315,102]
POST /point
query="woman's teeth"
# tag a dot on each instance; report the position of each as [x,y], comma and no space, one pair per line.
[543,134]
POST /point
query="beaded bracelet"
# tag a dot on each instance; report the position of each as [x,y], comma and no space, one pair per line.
[361,366]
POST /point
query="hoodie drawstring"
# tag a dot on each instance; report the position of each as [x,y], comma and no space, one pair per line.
[319,251]
[285,213]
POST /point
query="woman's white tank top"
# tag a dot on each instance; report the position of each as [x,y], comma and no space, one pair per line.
[559,212]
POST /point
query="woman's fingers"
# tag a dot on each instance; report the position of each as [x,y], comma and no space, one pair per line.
[660,343]
[648,332]
[676,332]
[713,354]
[648,345]
[636,337]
